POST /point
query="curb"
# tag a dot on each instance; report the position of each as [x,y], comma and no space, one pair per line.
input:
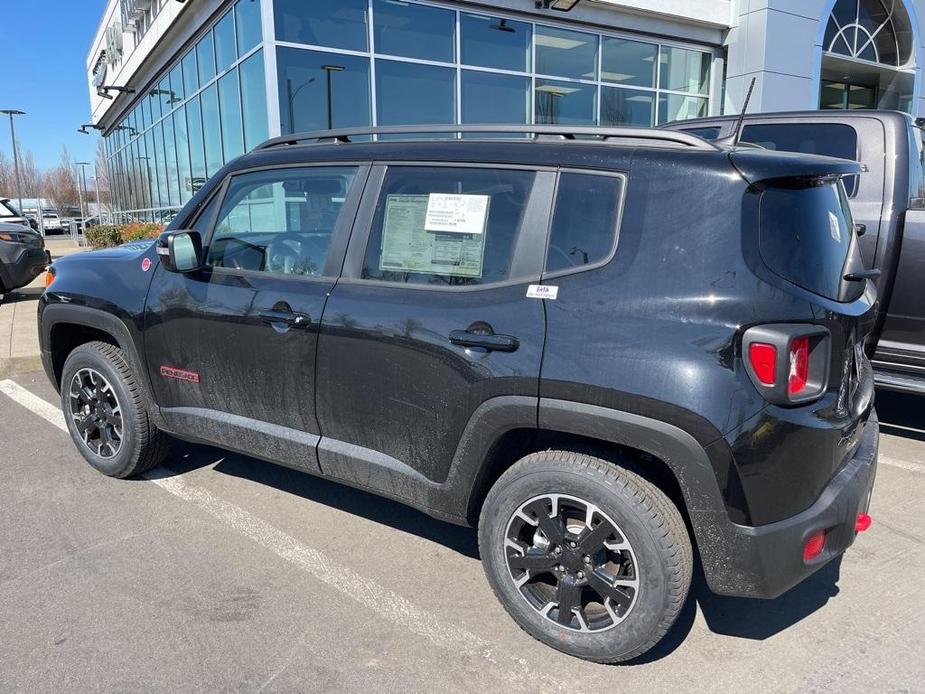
[17,365]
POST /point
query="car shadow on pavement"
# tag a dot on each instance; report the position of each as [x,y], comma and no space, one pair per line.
[901,414]
[186,457]
[23,294]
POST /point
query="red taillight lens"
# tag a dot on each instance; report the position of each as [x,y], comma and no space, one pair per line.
[799,365]
[763,358]
[862,523]
[815,543]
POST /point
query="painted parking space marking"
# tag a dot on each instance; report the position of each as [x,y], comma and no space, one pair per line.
[375,597]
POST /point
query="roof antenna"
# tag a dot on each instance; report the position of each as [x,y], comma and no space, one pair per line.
[733,139]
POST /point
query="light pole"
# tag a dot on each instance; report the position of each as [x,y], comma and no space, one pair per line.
[81,188]
[13,112]
[328,69]
[291,95]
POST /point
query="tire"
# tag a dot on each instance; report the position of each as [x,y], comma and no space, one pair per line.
[646,542]
[100,369]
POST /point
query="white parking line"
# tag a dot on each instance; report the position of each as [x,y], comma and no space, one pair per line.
[368,593]
[893,462]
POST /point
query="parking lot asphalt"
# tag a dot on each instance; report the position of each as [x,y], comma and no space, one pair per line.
[222,573]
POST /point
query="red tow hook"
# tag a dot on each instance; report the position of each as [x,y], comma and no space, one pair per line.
[862,523]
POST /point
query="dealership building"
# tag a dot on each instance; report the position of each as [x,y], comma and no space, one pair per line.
[179,87]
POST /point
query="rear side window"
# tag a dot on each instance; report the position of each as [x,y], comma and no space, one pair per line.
[916,168]
[826,139]
[806,235]
[706,132]
[447,226]
[584,224]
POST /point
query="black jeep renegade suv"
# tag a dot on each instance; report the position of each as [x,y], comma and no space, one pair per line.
[602,347]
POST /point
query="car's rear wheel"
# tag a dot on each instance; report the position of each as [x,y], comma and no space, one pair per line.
[106,413]
[585,555]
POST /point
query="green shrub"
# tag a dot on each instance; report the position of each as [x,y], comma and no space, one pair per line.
[104,236]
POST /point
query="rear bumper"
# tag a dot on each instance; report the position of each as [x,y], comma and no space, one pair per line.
[766,561]
[28,265]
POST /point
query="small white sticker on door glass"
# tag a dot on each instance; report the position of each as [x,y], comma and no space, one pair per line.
[460,214]
[834,227]
[542,291]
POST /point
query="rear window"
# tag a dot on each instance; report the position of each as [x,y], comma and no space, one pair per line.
[826,139]
[707,132]
[806,235]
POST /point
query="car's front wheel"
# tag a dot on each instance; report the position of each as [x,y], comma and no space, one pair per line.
[585,555]
[106,413]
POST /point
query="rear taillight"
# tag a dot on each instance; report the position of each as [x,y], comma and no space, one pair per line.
[814,545]
[799,366]
[788,363]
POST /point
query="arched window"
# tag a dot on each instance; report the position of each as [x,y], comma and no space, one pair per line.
[877,31]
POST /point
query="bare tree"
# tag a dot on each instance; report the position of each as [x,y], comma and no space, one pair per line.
[30,175]
[60,186]
[7,177]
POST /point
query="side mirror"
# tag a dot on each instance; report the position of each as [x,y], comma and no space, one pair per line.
[180,251]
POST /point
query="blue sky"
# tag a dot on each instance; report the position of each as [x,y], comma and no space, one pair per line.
[42,72]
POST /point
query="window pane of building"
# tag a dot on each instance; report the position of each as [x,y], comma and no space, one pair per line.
[161,162]
[183,151]
[165,96]
[685,71]
[151,161]
[627,107]
[630,63]
[170,157]
[211,130]
[229,98]
[494,42]
[190,72]
[566,53]
[253,100]
[226,51]
[677,107]
[305,80]
[492,98]
[399,87]
[177,92]
[584,225]
[154,104]
[196,150]
[314,22]
[565,102]
[247,24]
[205,55]
[414,31]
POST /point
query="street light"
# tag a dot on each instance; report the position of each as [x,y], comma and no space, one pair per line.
[328,69]
[13,112]
[82,176]
[291,95]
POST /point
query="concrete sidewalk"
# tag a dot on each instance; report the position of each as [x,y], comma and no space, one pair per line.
[19,339]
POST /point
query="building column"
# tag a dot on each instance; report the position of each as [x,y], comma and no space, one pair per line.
[775,41]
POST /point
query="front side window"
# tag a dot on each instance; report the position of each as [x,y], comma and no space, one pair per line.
[447,226]
[280,221]
[584,224]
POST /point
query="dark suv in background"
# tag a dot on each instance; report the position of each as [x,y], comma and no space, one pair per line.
[22,256]
[604,348]
[888,203]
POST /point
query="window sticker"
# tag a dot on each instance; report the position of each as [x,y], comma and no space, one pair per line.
[408,245]
[834,227]
[462,214]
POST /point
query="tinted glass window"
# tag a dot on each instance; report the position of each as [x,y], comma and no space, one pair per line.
[630,63]
[827,139]
[183,155]
[407,93]
[190,72]
[197,152]
[446,226]
[229,99]
[315,22]
[493,98]
[707,133]
[806,235]
[306,78]
[685,71]
[627,107]
[584,224]
[494,42]
[253,100]
[280,221]
[917,168]
[565,102]
[414,31]
[566,53]
[177,93]
[226,51]
[211,130]
[247,24]
[205,56]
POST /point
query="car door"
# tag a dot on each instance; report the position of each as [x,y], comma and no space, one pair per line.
[430,320]
[231,347]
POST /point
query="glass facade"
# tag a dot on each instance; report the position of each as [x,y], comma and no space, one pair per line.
[350,63]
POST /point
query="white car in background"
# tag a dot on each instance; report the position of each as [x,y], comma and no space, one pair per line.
[51,220]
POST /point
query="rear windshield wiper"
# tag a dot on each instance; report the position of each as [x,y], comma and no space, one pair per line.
[863,275]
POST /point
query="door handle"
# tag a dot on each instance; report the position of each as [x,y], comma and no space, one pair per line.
[497,343]
[296,320]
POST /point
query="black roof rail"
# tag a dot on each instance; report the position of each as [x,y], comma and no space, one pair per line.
[565,132]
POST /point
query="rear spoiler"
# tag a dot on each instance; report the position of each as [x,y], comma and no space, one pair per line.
[763,165]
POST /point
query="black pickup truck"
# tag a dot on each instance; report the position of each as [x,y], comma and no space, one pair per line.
[888,204]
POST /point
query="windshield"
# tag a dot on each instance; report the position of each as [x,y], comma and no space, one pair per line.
[7,209]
